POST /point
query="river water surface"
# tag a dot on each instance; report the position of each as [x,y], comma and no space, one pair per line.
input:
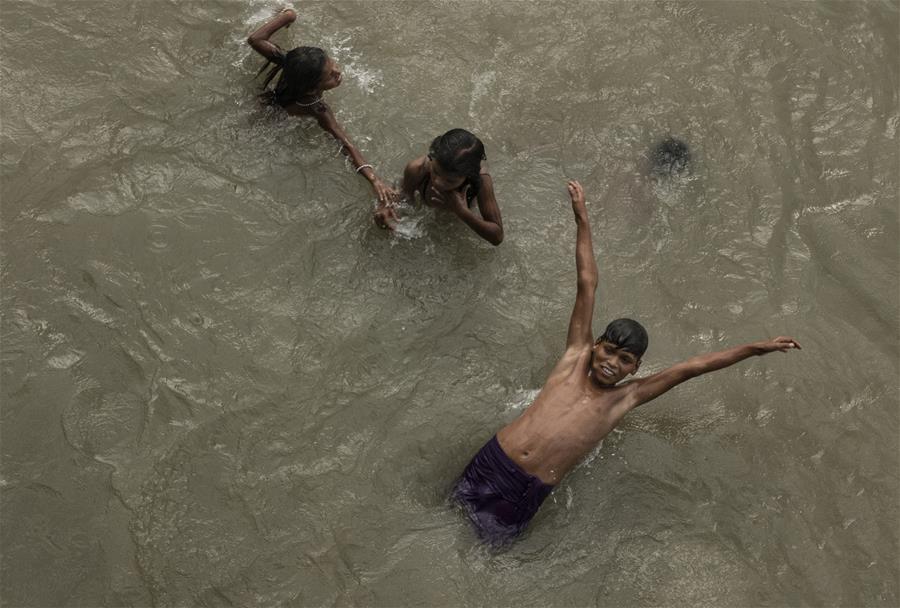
[223,385]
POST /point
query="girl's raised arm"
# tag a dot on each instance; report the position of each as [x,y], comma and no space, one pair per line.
[259,39]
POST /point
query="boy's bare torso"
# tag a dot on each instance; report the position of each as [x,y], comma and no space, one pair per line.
[567,420]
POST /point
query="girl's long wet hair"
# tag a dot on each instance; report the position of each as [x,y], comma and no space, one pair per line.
[301,71]
[459,152]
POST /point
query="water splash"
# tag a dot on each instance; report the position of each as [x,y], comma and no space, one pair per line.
[412,221]
[367,79]
[522,399]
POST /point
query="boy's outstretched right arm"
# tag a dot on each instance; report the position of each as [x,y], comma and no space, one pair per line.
[580,333]
[259,39]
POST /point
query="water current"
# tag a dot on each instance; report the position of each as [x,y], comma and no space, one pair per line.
[224,386]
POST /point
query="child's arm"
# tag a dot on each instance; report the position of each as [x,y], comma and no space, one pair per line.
[580,333]
[259,39]
[489,226]
[328,122]
[646,389]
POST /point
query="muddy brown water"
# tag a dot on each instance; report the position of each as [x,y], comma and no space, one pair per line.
[222,385]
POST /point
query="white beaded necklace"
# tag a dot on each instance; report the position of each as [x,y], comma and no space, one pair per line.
[306,105]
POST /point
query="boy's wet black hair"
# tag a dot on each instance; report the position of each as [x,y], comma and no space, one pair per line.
[459,152]
[301,71]
[627,334]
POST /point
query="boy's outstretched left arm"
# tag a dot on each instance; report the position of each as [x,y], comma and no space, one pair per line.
[647,389]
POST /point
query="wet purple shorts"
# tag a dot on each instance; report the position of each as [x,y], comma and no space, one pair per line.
[498,496]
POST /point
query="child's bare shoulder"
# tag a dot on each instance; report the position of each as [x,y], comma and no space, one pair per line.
[415,169]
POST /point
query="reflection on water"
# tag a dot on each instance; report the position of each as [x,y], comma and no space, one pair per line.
[223,384]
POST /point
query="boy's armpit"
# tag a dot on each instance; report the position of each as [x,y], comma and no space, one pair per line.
[576,358]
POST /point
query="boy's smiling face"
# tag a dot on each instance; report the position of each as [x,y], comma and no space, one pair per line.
[610,364]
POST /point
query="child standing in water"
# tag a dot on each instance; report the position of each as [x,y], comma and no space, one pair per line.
[582,401]
[451,177]
[306,73]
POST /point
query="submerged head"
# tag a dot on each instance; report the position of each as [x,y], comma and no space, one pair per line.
[617,352]
[305,71]
[671,156]
[455,159]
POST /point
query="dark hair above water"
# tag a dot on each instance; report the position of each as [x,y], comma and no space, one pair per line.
[627,334]
[459,152]
[301,71]
[671,156]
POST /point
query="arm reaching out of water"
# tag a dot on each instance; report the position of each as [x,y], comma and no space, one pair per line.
[580,334]
[385,194]
[259,40]
[646,389]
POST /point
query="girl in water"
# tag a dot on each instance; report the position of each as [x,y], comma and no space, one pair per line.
[451,177]
[306,73]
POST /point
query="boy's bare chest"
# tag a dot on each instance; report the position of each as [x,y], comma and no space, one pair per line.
[574,404]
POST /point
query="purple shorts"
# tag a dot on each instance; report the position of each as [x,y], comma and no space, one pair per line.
[499,497]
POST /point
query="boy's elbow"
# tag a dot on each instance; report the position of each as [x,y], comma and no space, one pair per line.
[496,238]
[587,280]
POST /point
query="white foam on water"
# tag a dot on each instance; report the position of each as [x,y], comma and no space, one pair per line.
[66,360]
[521,399]
[366,78]
[264,12]
[591,456]
[412,222]
[482,84]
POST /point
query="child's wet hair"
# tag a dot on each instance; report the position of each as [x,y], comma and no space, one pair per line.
[459,152]
[670,157]
[301,71]
[628,335]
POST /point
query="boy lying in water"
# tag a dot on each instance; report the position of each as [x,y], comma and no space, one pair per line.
[581,402]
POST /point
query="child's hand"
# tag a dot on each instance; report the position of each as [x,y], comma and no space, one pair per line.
[454,201]
[781,343]
[386,217]
[576,193]
[290,13]
[384,193]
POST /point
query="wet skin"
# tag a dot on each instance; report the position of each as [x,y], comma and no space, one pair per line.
[332,76]
[447,191]
[583,400]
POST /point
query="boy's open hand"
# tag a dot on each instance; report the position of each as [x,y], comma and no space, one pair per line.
[576,192]
[781,343]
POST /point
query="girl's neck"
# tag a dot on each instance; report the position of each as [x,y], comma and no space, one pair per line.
[310,99]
